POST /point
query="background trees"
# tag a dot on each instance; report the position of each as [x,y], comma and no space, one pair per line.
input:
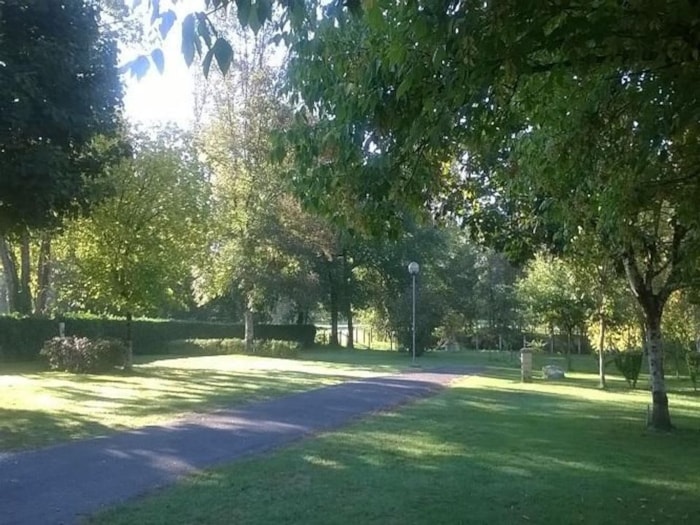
[136,252]
[60,97]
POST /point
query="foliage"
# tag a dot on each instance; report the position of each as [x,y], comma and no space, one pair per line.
[276,348]
[552,295]
[263,347]
[692,359]
[136,251]
[265,246]
[81,355]
[629,364]
[59,93]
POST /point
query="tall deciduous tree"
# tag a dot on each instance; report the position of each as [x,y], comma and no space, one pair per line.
[136,252]
[59,92]
[557,120]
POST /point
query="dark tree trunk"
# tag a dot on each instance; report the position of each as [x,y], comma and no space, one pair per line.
[24,304]
[43,275]
[601,352]
[129,358]
[249,329]
[9,266]
[334,315]
[351,329]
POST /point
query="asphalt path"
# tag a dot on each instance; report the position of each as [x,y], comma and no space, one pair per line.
[64,483]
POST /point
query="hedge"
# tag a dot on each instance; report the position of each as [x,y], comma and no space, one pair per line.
[21,339]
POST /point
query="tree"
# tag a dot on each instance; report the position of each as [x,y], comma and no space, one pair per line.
[254,257]
[59,90]
[552,296]
[59,94]
[612,151]
[425,103]
[135,253]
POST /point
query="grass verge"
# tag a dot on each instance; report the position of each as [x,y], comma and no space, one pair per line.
[488,450]
[39,407]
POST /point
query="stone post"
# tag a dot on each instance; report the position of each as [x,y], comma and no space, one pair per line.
[526,365]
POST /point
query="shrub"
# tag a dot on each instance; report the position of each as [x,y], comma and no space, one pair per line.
[264,348]
[276,348]
[81,355]
[629,364]
[692,359]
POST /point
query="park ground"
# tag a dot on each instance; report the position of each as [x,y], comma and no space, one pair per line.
[489,449]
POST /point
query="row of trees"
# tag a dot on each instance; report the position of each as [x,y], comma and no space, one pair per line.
[565,129]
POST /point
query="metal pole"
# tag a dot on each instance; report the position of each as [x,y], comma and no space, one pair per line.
[414,318]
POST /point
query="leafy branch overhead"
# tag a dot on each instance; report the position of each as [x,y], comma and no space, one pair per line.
[200,38]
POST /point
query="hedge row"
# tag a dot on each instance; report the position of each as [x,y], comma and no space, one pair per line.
[22,339]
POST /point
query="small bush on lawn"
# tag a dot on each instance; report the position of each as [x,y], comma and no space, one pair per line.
[276,348]
[205,346]
[629,364]
[693,361]
[81,355]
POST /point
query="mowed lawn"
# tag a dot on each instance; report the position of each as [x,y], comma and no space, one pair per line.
[40,408]
[489,450]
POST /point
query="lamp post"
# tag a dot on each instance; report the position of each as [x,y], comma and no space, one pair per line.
[413,269]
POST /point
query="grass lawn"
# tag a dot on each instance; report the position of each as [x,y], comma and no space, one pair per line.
[488,450]
[38,407]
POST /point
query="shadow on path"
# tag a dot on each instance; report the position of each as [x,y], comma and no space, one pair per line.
[60,484]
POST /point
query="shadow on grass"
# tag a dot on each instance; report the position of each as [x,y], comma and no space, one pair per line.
[23,428]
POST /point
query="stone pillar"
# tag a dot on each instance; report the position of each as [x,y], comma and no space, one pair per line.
[526,365]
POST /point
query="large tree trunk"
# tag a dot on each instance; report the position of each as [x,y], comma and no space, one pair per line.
[249,330]
[9,266]
[351,329]
[653,306]
[601,352]
[129,358]
[660,416]
[24,304]
[43,275]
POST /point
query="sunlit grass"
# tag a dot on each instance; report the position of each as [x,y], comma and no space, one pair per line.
[40,407]
[488,450]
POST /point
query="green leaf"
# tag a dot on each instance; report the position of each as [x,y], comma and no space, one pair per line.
[224,54]
[167,20]
[140,67]
[158,60]
[243,12]
[253,21]
[206,63]
[264,9]
[188,39]
[203,28]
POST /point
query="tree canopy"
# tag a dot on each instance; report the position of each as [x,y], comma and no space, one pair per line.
[59,91]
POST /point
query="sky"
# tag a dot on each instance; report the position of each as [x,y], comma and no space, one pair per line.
[168,97]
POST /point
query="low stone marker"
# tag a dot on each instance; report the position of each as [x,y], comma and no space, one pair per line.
[553,372]
[526,365]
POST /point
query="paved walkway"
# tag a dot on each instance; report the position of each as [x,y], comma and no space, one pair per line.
[61,484]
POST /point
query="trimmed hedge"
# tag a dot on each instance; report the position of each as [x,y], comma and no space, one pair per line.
[21,339]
